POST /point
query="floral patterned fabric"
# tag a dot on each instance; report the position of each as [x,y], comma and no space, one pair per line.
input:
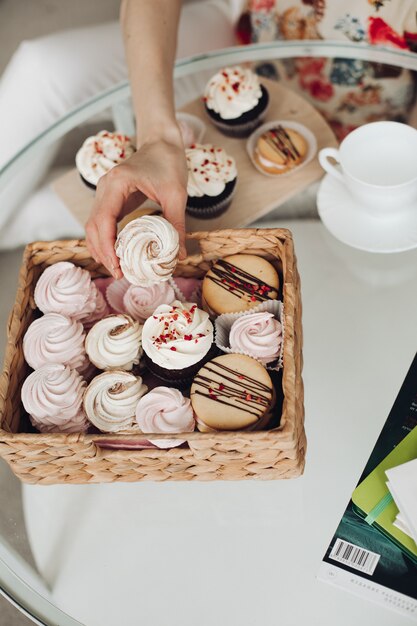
[347,92]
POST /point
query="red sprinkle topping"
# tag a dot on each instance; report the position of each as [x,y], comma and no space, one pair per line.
[173,348]
[221,387]
[248,397]
[188,337]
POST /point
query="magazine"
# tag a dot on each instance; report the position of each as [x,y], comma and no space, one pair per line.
[368,554]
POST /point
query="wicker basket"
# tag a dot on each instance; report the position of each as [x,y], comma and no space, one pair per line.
[79,458]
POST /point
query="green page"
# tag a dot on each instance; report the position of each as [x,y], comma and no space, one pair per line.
[372,498]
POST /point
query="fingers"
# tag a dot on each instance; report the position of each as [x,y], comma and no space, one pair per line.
[92,239]
[112,193]
[173,206]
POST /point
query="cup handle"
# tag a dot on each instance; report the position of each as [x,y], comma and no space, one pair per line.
[324,154]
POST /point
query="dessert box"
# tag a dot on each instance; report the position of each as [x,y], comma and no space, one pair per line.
[235,455]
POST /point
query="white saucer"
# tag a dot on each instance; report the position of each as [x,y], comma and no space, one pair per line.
[352,225]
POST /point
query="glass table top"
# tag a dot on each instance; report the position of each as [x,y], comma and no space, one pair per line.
[225,552]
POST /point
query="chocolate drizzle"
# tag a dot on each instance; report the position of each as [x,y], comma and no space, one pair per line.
[279,140]
[247,394]
[240,283]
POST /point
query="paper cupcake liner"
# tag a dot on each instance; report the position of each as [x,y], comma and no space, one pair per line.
[224,322]
[195,296]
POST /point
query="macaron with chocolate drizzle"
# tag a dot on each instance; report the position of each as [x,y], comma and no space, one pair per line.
[238,283]
[279,150]
[231,392]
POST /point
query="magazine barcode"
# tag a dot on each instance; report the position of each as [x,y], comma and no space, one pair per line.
[356,557]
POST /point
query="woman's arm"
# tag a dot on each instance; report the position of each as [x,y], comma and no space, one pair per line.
[158,169]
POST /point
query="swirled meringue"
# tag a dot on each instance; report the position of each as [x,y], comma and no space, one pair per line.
[52,395]
[55,338]
[209,170]
[258,335]
[102,310]
[115,294]
[232,92]
[148,250]
[165,410]
[114,343]
[110,400]
[140,302]
[178,335]
[67,289]
[101,153]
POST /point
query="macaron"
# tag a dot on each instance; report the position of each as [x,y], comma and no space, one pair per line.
[239,282]
[279,150]
[231,392]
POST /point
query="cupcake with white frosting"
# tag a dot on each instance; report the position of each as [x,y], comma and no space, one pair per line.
[177,339]
[100,153]
[110,400]
[115,343]
[212,176]
[235,101]
[148,250]
[52,395]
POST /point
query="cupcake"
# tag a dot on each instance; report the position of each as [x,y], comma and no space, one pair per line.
[110,400]
[100,153]
[67,289]
[137,301]
[257,334]
[231,392]
[115,343]
[176,340]
[52,395]
[54,338]
[148,250]
[238,283]
[212,178]
[235,101]
[165,410]
[279,150]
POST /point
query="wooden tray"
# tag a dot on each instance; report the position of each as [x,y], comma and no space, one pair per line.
[256,194]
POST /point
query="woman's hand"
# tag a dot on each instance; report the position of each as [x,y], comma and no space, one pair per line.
[157,171]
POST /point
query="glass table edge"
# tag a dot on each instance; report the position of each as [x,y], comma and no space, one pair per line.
[199,62]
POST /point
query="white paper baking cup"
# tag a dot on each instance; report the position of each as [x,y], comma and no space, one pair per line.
[195,297]
[196,124]
[224,323]
[300,128]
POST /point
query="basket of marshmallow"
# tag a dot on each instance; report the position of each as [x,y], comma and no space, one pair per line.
[181,370]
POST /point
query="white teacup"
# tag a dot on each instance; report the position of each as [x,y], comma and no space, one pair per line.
[378,165]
